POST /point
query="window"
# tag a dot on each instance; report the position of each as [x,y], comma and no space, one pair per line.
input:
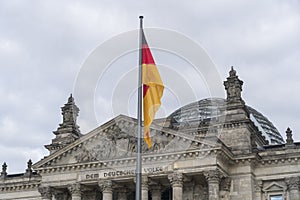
[276,197]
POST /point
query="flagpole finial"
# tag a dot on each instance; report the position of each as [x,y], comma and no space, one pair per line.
[141,17]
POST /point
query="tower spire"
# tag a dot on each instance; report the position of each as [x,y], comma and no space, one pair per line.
[4,170]
[289,137]
[68,131]
[233,86]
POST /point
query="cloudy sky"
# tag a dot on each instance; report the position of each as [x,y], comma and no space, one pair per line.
[44,46]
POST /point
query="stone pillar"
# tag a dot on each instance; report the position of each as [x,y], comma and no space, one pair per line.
[225,188]
[75,190]
[122,194]
[46,193]
[156,192]
[106,188]
[145,187]
[258,190]
[213,180]
[293,186]
[176,180]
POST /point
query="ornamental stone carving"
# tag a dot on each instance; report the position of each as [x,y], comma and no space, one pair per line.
[113,142]
[105,185]
[176,179]
[75,189]
[233,86]
[4,170]
[213,176]
[68,131]
[293,183]
[29,168]
[289,137]
[258,186]
[46,192]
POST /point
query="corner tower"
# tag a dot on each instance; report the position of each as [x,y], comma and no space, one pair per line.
[239,132]
[68,131]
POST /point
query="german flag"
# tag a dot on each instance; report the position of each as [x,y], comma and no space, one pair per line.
[153,89]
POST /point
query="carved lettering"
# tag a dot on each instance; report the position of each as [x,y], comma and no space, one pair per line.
[92,176]
[126,172]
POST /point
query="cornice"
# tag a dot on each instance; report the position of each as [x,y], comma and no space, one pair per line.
[130,161]
[12,187]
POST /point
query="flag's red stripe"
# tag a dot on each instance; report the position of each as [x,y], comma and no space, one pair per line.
[146,55]
[145,89]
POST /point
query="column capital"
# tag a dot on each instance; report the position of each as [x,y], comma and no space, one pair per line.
[75,189]
[176,179]
[46,192]
[105,185]
[213,176]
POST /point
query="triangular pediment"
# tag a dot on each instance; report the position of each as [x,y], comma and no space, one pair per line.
[116,139]
[274,187]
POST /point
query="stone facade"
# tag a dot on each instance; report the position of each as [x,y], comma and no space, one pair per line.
[221,157]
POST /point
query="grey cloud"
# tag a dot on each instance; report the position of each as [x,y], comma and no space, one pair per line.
[43,45]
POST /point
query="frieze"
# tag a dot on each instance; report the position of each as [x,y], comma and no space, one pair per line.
[121,173]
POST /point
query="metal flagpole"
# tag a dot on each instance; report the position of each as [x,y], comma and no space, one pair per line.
[138,191]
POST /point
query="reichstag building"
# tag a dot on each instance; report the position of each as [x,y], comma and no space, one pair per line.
[212,149]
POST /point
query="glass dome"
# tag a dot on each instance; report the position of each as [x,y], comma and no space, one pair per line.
[193,114]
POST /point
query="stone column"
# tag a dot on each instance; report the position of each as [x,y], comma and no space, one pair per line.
[293,186]
[156,192]
[106,188]
[258,190]
[75,190]
[176,180]
[122,194]
[213,179]
[145,187]
[46,193]
[225,188]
